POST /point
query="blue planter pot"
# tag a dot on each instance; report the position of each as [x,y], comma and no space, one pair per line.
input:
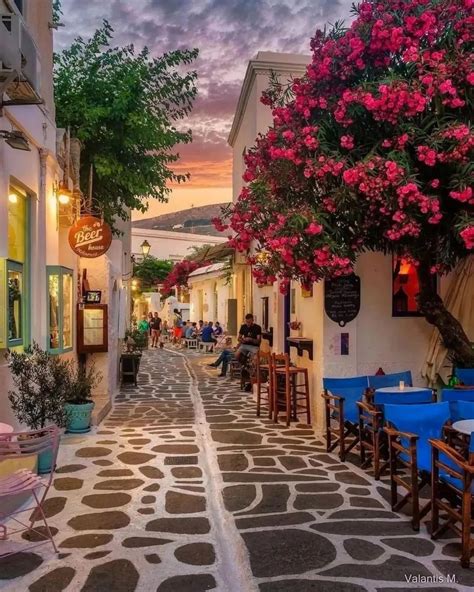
[45,460]
[79,417]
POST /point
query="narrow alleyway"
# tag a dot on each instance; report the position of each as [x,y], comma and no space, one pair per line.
[183,489]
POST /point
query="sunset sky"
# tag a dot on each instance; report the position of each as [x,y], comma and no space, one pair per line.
[228,33]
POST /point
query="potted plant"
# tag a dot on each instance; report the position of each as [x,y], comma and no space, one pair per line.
[41,381]
[131,355]
[79,404]
[295,326]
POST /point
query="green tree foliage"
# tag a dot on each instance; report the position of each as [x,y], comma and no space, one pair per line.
[151,271]
[124,107]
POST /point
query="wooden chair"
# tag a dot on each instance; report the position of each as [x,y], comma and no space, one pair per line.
[341,412]
[373,440]
[24,481]
[452,491]
[285,384]
[191,343]
[408,440]
[264,381]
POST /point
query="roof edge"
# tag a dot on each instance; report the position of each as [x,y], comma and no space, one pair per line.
[258,66]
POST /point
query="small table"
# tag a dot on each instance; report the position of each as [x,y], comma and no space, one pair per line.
[396,390]
[5,429]
[465,426]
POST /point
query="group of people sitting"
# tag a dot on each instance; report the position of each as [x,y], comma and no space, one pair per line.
[205,331]
[249,340]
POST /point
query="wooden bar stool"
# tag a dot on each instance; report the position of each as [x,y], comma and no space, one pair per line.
[285,383]
[264,381]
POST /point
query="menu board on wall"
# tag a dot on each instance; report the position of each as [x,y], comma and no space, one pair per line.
[342,298]
[92,330]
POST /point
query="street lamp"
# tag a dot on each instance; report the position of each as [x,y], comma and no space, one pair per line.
[15,139]
[145,247]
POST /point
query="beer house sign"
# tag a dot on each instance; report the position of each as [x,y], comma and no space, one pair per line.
[90,237]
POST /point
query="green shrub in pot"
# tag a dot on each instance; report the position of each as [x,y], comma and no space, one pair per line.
[41,382]
[79,404]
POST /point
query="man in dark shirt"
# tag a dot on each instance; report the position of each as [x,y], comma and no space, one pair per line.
[155,325]
[207,334]
[250,337]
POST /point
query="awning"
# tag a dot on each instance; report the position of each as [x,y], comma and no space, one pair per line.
[213,253]
[213,268]
[459,301]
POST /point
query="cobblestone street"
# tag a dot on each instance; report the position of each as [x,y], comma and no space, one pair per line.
[183,489]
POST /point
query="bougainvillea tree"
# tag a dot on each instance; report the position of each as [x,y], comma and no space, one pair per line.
[369,151]
[178,276]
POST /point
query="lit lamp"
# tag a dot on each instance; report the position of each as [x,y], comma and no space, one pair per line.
[134,285]
[145,247]
[404,272]
[63,194]
[13,198]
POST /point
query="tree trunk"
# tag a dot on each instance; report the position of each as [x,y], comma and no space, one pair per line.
[432,307]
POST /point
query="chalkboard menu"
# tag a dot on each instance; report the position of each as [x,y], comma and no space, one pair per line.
[342,298]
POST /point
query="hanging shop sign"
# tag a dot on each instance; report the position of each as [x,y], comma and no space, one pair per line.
[342,298]
[90,237]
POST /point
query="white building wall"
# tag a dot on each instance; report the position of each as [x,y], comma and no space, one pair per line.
[168,245]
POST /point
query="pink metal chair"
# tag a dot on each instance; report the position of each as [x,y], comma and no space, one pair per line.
[24,481]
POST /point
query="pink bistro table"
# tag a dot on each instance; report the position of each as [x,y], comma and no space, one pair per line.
[5,429]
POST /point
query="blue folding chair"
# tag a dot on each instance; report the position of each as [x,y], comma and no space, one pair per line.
[452,493]
[373,445]
[457,394]
[409,430]
[465,375]
[461,410]
[383,380]
[340,402]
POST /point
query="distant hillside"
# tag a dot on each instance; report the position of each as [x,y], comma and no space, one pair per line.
[194,220]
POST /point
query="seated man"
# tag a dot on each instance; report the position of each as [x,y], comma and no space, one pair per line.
[225,357]
[250,337]
[218,330]
[206,335]
[190,332]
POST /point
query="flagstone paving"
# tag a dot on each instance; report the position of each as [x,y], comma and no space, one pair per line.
[183,489]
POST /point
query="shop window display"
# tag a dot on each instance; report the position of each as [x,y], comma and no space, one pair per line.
[60,309]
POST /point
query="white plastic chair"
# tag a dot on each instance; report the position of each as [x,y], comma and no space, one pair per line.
[23,445]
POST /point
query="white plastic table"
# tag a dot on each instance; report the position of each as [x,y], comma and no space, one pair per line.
[396,390]
[465,426]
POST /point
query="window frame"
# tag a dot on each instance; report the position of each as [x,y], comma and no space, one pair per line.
[19,267]
[60,271]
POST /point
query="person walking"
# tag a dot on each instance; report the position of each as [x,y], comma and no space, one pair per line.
[144,327]
[177,326]
[155,330]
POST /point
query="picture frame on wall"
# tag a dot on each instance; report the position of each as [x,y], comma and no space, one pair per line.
[307,293]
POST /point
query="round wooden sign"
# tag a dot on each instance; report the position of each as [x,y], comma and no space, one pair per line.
[90,237]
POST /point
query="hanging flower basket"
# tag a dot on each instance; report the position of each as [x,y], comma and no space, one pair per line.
[295,328]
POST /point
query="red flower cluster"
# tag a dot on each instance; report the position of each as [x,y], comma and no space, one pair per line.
[178,276]
[372,151]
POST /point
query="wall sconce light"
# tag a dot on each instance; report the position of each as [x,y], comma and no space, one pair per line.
[13,198]
[145,247]
[63,194]
[16,140]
